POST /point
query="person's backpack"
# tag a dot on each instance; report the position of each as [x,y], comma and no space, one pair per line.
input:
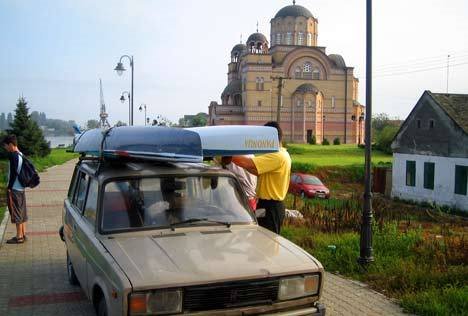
[28,176]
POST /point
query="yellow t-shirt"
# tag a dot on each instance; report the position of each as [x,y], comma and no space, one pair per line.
[274,171]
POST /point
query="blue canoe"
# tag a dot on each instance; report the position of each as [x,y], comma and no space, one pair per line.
[143,142]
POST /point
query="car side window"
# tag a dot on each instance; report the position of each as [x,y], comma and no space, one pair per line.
[299,180]
[72,187]
[81,189]
[91,202]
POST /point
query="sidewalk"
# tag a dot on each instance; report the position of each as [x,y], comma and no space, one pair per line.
[33,276]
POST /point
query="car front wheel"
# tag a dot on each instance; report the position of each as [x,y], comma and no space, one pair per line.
[71,272]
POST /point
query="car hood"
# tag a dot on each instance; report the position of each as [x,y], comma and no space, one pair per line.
[214,255]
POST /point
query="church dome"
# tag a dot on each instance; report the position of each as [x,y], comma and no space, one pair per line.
[257,37]
[294,11]
[338,60]
[233,87]
[239,48]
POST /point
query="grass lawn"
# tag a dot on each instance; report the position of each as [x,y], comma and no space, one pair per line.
[56,157]
[334,155]
[421,255]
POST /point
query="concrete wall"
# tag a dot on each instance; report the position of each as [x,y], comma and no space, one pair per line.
[444,180]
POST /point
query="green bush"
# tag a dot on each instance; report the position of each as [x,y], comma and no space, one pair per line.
[325,142]
[384,139]
[336,141]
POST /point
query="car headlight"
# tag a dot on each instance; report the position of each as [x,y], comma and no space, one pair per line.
[299,286]
[156,303]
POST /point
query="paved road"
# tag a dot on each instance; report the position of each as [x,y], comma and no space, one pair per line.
[33,277]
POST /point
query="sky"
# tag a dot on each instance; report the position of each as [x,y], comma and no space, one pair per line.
[54,52]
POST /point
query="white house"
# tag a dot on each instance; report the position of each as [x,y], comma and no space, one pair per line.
[430,152]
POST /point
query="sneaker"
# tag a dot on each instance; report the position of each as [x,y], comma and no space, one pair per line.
[15,240]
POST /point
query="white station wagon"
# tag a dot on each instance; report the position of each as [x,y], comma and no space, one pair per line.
[168,238]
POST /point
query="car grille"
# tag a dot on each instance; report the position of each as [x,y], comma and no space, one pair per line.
[230,295]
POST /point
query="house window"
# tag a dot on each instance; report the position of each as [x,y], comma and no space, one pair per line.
[300,38]
[429,168]
[278,38]
[431,124]
[418,123]
[461,179]
[257,83]
[262,83]
[259,103]
[410,173]
[288,38]
[333,102]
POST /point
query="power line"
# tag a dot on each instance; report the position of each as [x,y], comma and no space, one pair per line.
[415,71]
[424,64]
[442,56]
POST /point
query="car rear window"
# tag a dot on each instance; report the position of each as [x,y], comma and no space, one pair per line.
[159,202]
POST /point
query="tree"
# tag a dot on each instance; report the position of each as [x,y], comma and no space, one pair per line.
[31,141]
[120,123]
[9,120]
[385,137]
[3,122]
[199,120]
[92,124]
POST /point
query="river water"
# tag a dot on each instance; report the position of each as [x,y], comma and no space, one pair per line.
[55,141]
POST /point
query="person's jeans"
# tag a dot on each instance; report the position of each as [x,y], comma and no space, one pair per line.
[274,214]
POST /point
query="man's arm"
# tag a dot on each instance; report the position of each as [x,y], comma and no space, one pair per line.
[246,163]
[13,169]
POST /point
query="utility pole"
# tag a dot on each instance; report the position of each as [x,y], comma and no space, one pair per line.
[366,255]
[448,60]
[280,95]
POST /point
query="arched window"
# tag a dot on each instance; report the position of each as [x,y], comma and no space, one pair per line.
[307,67]
[262,83]
[309,39]
[257,83]
[288,38]
[278,38]
[238,100]
[300,39]
[297,73]
[316,74]
[244,84]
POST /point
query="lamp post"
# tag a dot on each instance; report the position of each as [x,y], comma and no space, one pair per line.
[122,99]
[143,106]
[120,69]
[366,251]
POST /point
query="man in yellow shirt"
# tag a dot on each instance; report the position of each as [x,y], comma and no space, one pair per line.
[273,171]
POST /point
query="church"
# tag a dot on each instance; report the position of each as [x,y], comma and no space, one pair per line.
[291,77]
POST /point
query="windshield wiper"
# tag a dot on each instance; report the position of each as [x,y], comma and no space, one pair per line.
[194,220]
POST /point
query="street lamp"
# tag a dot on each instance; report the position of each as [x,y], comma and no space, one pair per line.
[122,99]
[120,69]
[366,252]
[143,106]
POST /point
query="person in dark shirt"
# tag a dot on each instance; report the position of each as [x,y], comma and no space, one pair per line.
[16,198]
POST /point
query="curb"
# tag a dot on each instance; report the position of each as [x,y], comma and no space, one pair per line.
[3,226]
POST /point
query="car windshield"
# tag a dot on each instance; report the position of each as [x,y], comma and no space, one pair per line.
[312,180]
[165,201]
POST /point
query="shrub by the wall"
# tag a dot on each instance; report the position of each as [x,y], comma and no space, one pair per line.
[325,142]
[336,141]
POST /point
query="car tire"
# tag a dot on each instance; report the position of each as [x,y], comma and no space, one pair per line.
[102,307]
[71,272]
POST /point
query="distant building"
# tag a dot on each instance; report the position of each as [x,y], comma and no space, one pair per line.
[319,95]
[430,152]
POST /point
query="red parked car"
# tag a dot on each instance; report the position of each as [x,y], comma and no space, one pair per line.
[307,185]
